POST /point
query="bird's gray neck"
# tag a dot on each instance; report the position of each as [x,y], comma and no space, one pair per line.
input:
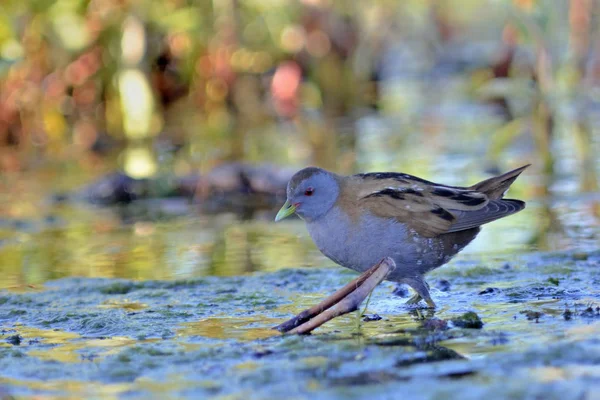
[330,232]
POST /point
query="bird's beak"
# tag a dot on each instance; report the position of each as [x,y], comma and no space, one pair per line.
[286,210]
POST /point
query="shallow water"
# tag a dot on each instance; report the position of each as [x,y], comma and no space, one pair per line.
[80,240]
[211,335]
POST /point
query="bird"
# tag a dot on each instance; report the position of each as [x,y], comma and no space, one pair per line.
[358,220]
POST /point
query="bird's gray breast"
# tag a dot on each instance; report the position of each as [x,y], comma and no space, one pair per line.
[360,244]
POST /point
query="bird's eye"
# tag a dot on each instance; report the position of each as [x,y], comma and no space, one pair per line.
[309,191]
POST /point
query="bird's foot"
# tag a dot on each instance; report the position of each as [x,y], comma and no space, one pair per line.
[422,291]
[345,300]
[417,298]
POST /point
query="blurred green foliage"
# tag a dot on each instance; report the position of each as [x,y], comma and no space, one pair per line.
[287,81]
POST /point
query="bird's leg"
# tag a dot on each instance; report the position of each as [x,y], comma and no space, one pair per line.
[415,299]
[343,301]
[422,288]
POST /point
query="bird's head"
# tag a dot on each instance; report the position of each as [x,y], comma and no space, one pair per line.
[310,194]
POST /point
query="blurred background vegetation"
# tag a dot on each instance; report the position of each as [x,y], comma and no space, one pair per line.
[444,89]
[213,81]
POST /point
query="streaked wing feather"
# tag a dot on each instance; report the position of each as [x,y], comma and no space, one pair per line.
[428,208]
[420,215]
[494,210]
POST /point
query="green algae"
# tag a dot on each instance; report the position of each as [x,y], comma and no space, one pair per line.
[469,320]
[129,336]
[118,288]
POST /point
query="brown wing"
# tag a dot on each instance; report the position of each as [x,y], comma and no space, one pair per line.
[432,209]
[428,208]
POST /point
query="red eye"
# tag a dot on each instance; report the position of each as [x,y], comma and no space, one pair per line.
[309,191]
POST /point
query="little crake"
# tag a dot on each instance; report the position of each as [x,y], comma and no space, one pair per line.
[359,220]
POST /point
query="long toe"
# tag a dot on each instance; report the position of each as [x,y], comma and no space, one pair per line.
[414,300]
[430,303]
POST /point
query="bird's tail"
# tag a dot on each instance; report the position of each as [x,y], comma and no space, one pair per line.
[496,187]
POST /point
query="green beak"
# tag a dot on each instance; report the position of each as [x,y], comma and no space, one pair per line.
[286,210]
